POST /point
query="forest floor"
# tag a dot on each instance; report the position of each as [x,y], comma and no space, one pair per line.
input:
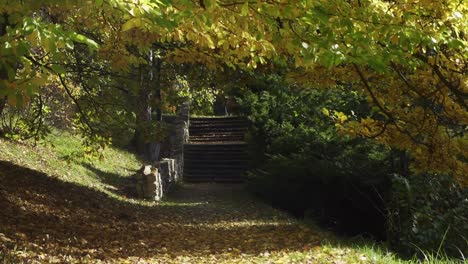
[58,207]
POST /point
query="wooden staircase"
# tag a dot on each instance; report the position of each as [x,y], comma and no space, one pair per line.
[216,151]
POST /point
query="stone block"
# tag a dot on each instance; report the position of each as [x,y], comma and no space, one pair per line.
[149,184]
[139,190]
[169,166]
[184,111]
[150,189]
[152,178]
[164,168]
[146,169]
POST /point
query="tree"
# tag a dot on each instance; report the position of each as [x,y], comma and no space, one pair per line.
[411,63]
[33,48]
[409,60]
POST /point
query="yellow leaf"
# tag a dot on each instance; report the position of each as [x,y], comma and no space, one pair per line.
[211,44]
[341,117]
[132,23]
[325,111]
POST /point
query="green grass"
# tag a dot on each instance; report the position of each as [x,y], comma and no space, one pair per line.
[362,250]
[61,155]
[369,252]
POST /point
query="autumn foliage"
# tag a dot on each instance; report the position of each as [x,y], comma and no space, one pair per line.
[408,59]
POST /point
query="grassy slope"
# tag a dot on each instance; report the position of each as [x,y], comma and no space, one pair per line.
[61,157]
[58,207]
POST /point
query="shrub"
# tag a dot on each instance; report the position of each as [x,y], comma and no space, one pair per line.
[303,165]
[428,213]
[25,122]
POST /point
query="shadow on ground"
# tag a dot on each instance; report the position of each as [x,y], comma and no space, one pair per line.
[47,215]
[116,183]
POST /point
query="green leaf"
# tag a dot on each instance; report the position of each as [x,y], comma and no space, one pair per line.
[28,29]
[328,59]
[19,100]
[377,64]
[58,69]
[69,45]
[22,49]
[31,90]
[99,2]
[135,11]
[80,38]
[321,15]
[92,44]
[10,71]
[455,44]
[209,3]
[245,8]
[7,45]
[325,111]
[85,40]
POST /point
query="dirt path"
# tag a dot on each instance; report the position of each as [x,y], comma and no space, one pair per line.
[48,220]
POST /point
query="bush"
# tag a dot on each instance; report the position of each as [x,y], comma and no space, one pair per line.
[428,213]
[304,166]
[25,122]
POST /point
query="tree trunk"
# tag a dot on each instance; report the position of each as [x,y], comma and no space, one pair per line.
[2,104]
[404,163]
[143,114]
[157,88]
[3,72]
[155,83]
[148,101]
[400,162]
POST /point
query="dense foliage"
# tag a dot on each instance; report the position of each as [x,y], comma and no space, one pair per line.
[306,166]
[428,212]
[302,163]
[408,60]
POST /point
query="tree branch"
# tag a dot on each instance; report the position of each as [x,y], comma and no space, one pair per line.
[460,96]
[75,101]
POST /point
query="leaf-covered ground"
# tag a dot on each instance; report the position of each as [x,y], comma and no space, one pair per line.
[49,220]
[58,208]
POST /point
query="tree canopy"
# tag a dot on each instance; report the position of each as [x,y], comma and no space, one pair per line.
[408,58]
